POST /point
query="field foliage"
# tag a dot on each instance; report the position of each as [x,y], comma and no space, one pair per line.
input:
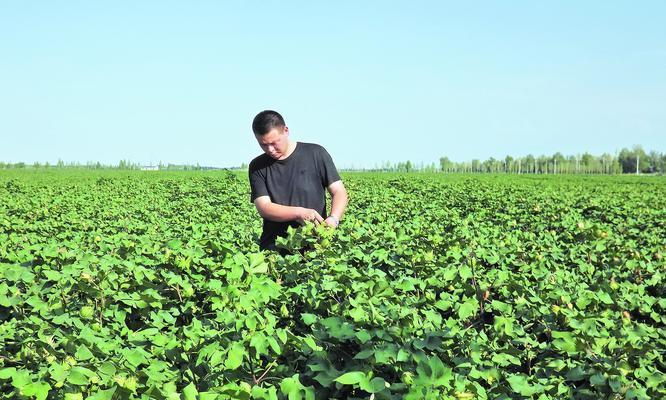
[128,285]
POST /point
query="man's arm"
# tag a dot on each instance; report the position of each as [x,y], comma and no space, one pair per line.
[279,213]
[339,201]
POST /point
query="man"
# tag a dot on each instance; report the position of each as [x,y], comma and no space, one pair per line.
[289,181]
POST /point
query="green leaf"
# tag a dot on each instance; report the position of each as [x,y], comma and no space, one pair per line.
[21,378]
[350,378]
[308,319]
[275,346]
[449,273]
[257,264]
[76,377]
[190,392]
[58,373]
[311,343]
[520,385]
[363,336]
[467,309]
[564,341]
[83,354]
[365,354]
[465,272]
[135,357]
[106,394]
[604,297]
[175,244]
[338,328]
[375,385]
[597,379]
[293,388]
[235,356]
[7,373]
[259,342]
[504,325]
[37,389]
[504,359]
[107,368]
[52,275]
[436,366]
[282,335]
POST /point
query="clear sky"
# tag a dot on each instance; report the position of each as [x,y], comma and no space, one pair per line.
[372,81]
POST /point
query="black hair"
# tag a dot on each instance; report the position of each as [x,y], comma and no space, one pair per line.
[265,121]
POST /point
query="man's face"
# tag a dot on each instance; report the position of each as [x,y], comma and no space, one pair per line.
[275,143]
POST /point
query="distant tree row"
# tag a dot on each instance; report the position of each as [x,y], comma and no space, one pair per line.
[626,161]
[122,165]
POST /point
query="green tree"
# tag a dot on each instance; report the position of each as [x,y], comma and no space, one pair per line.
[654,160]
[630,159]
[508,164]
[445,164]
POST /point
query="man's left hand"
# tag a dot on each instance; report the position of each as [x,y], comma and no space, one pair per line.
[332,221]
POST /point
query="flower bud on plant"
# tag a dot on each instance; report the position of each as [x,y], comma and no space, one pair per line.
[86,312]
[407,378]
[614,285]
[188,291]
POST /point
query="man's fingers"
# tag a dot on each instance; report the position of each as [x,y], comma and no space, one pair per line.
[312,216]
[330,223]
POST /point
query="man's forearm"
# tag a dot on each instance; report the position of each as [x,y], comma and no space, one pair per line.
[279,213]
[338,204]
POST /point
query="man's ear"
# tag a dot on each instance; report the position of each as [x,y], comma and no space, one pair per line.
[286,130]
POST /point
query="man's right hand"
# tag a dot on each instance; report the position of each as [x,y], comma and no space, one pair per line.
[308,214]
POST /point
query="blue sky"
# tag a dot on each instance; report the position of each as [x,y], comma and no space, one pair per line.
[371,81]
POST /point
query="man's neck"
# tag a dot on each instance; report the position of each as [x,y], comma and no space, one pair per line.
[291,147]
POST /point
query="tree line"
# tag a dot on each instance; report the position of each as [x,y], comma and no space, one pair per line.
[626,161]
[122,165]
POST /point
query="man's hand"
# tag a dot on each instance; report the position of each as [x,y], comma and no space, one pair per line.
[332,221]
[308,214]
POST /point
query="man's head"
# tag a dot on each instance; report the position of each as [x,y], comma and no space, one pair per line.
[272,134]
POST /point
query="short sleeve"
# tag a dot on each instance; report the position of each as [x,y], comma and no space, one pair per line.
[257,184]
[329,173]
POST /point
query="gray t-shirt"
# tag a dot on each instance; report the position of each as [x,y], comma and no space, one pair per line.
[300,180]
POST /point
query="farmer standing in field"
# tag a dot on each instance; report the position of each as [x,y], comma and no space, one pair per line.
[289,181]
